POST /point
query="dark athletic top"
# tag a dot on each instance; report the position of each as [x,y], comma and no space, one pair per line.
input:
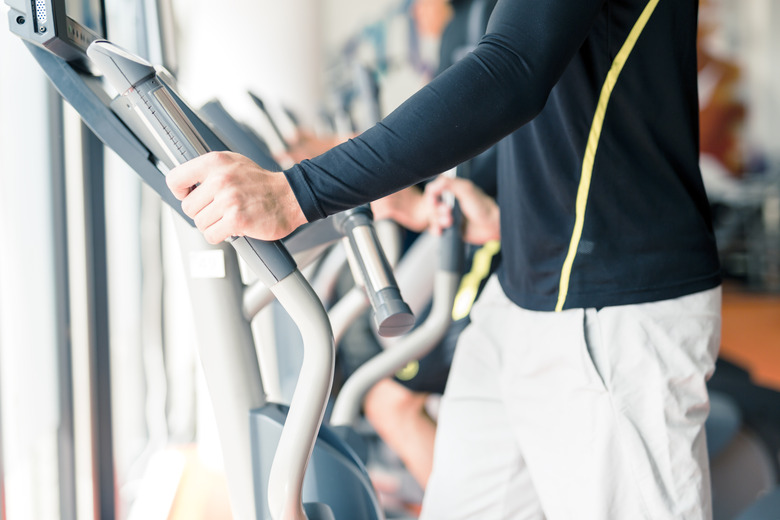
[462,34]
[464,30]
[601,197]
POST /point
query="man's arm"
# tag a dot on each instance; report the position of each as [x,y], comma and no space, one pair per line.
[493,91]
[479,100]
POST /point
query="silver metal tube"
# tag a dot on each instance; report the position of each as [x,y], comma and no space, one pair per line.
[389,235]
[390,313]
[415,277]
[355,302]
[376,277]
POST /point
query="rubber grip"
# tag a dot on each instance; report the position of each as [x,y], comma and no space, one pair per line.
[452,253]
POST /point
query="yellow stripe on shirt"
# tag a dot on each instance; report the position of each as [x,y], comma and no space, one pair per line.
[592,146]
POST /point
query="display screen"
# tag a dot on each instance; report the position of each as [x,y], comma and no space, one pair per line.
[88,13]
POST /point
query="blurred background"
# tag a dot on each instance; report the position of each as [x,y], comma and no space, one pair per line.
[103,410]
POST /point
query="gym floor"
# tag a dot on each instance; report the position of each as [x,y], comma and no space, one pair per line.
[751,334]
[202,493]
[751,339]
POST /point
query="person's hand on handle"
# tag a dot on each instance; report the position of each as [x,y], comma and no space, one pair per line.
[480,212]
[227,195]
[407,207]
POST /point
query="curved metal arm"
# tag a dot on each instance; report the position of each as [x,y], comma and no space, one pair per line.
[258,295]
[309,399]
[392,316]
[413,346]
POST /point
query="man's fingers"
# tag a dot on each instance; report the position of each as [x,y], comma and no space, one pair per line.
[181,179]
[440,216]
[208,216]
[460,188]
[197,200]
[435,188]
[217,232]
[444,216]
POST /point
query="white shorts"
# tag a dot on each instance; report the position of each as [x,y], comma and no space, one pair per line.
[584,414]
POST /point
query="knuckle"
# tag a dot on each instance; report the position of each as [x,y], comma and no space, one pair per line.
[218,159]
[235,218]
[240,221]
[219,181]
[231,197]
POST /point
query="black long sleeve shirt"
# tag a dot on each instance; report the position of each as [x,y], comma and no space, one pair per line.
[598,182]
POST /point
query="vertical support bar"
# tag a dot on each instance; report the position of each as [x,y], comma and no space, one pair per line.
[227,355]
[97,295]
[61,294]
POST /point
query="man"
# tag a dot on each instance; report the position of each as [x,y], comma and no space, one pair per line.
[578,391]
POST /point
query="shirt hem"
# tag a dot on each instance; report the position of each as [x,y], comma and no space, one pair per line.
[612,298]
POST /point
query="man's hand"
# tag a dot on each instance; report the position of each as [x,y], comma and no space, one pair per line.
[480,212]
[227,195]
[407,207]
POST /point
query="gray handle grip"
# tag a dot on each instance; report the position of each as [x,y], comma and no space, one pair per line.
[138,82]
[452,254]
[392,316]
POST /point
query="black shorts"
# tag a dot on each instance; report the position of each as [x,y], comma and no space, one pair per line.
[430,373]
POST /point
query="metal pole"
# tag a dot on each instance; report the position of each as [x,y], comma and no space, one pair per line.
[97,295]
[227,355]
[61,293]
